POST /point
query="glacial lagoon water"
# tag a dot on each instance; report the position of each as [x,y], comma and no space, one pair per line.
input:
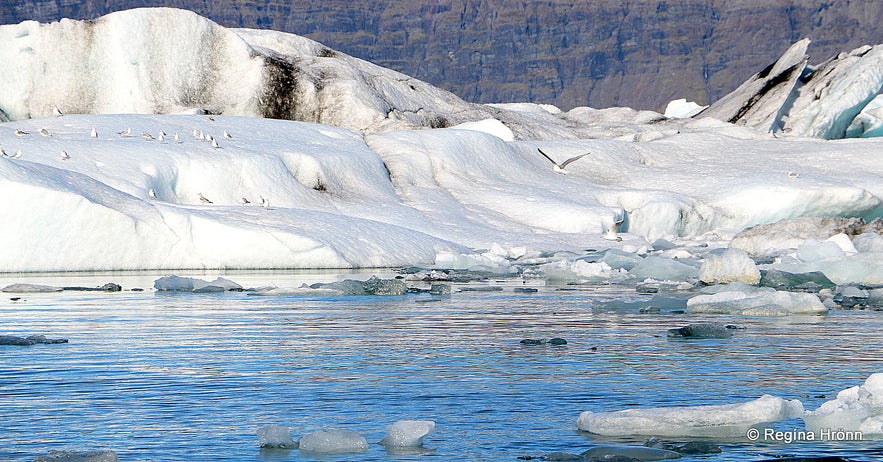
[178,376]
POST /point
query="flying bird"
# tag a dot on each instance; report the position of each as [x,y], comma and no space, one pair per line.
[612,232]
[65,155]
[45,132]
[204,199]
[560,167]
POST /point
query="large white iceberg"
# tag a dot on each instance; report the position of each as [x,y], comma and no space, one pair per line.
[720,421]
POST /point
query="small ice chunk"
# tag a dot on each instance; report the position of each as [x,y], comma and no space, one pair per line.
[487,261]
[276,436]
[581,270]
[868,243]
[407,433]
[620,259]
[665,269]
[812,250]
[726,420]
[182,284]
[760,302]
[332,440]
[729,266]
[23,288]
[844,242]
[855,409]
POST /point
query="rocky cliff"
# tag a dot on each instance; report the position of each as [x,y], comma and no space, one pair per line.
[598,53]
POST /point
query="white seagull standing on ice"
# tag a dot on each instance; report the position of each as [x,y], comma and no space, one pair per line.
[215,144]
[177,138]
[204,199]
[94,133]
[3,152]
[17,154]
[162,137]
[227,135]
[265,203]
[57,112]
[560,167]
[151,193]
[65,155]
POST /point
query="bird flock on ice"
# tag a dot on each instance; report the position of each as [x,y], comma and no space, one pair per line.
[160,137]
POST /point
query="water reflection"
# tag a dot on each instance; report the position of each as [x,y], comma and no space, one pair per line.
[183,376]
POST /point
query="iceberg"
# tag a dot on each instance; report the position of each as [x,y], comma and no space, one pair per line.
[332,441]
[407,433]
[733,265]
[720,421]
[276,437]
[764,301]
[346,179]
[181,284]
[856,411]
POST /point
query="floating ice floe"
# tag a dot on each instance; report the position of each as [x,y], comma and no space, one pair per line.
[856,409]
[332,441]
[276,437]
[182,284]
[24,288]
[733,265]
[582,271]
[661,268]
[741,299]
[407,433]
[726,420]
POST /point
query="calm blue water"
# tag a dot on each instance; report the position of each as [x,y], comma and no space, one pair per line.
[171,377]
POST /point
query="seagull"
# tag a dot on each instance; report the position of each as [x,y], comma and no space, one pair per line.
[245,201]
[3,152]
[227,135]
[45,132]
[215,144]
[94,133]
[198,135]
[17,154]
[163,134]
[57,112]
[65,155]
[265,203]
[151,193]
[560,167]
[209,137]
[204,199]
[793,174]
[177,138]
[147,136]
[20,133]
[126,132]
[613,229]
[162,137]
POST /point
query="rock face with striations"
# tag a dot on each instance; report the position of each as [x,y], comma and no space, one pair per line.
[599,54]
